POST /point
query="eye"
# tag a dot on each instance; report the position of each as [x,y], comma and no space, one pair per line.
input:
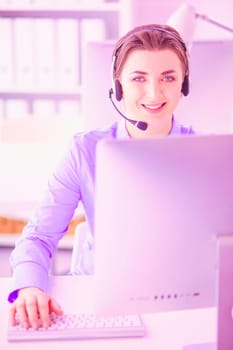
[138,78]
[168,78]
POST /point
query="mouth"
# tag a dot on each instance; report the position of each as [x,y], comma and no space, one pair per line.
[154,107]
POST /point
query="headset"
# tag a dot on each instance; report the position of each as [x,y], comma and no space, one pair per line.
[116,89]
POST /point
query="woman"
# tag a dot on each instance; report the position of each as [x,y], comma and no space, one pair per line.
[150,74]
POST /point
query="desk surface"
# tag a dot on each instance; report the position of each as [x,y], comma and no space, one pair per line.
[165,331]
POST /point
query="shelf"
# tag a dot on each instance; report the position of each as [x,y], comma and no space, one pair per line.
[68,94]
[78,11]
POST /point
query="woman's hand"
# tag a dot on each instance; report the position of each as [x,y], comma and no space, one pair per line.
[33,308]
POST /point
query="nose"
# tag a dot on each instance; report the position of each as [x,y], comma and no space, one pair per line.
[154,90]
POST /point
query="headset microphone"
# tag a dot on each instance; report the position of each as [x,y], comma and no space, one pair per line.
[139,124]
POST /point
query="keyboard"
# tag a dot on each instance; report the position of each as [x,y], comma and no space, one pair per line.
[80,326]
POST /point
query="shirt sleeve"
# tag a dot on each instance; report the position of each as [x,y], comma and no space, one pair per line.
[31,257]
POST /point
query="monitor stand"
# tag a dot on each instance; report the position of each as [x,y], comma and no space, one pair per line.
[225,293]
[224,298]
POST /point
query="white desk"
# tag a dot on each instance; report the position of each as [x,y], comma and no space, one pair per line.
[165,331]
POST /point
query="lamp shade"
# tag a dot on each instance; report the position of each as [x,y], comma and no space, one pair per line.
[184,21]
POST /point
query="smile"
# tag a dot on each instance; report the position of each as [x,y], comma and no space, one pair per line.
[154,107]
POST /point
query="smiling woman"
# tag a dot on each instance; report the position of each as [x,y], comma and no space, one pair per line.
[150,74]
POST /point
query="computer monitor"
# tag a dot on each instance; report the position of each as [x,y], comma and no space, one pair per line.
[161,205]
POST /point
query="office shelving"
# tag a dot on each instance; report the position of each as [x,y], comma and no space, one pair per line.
[108,12]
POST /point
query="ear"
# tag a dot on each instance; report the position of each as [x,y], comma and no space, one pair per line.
[185,86]
[118,90]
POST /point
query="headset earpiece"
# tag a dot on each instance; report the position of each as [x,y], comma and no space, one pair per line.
[118,90]
[185,86]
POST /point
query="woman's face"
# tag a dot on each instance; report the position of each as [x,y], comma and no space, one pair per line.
[151,82]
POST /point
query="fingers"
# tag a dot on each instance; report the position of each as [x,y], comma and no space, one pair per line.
[25,307]
[33,308]
[55,307]
[21,309]
[43,309]
[12,315]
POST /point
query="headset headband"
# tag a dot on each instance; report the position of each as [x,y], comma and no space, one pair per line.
[157,29]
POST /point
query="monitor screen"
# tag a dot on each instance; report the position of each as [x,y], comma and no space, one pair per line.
[161,205]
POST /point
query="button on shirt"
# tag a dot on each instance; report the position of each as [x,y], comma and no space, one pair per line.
[71,182]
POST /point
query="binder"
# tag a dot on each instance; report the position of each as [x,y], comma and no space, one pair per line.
[67,44]
[1,109]
[16,109]
[45,53]
[69,109]
[13,4]
[6,54]
[24,52]
[44,108]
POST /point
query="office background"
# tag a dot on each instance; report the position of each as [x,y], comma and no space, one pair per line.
[54,74]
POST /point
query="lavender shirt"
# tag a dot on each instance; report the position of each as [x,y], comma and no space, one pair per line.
[72,181]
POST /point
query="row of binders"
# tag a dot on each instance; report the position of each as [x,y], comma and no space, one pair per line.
[45,53]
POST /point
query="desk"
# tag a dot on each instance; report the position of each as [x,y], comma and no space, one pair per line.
[165,331]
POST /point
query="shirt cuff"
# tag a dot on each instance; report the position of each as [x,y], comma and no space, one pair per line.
[28,275]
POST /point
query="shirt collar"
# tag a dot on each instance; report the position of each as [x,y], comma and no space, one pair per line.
[175,129]
[122,132]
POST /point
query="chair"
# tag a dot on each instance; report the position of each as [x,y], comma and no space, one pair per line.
[81,259]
